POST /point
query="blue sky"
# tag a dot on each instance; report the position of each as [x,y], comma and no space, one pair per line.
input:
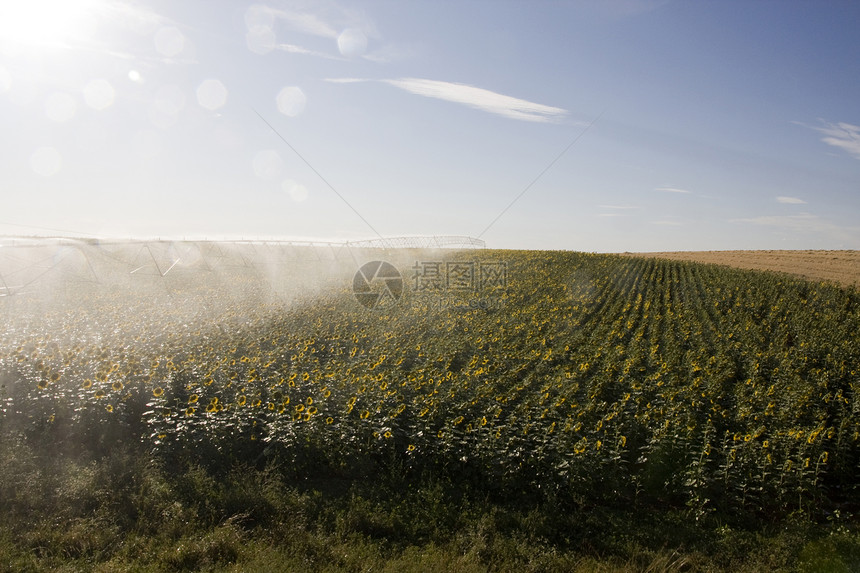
[697,125]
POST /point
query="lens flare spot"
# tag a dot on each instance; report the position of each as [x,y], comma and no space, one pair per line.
[260,39]
[291,101]
[352,43]
[211,94]
[259,15]
[169,41]
[296,191]
[260,29]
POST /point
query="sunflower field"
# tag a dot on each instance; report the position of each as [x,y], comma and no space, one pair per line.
[592,380]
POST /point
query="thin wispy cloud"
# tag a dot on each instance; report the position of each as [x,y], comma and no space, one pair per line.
[301,21]
[845,136]
[617,210]
[389,54]
[294,49]
[618,206]
[671,190]
[790,200]
[477,98]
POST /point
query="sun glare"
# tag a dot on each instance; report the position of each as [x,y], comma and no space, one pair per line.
[43,23]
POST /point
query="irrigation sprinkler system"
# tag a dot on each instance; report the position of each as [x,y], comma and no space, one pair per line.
[27,262]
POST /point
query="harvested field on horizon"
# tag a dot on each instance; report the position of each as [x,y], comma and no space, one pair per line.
[842,267]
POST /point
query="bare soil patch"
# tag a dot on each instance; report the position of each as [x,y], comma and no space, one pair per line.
[838,266]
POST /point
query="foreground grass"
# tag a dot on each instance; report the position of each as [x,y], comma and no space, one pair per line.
[125,511]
